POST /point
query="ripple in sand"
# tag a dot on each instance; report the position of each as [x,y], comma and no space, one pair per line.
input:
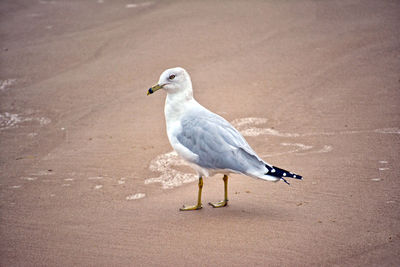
[246,126]
[138,5]
[388,130]
[136,196]
[43,173]
[96,178]
[131,5]
[46,2]
[5,84]
[29,178]
[12,120]
[169,177]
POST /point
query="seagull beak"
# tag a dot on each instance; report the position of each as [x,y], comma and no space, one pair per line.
[154,88]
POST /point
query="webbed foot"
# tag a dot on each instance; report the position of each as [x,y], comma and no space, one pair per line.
[219,204]
[194,207]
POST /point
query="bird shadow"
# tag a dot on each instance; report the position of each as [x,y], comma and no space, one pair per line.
[241,211]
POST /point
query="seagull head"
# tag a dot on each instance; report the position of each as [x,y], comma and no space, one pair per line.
[175,80]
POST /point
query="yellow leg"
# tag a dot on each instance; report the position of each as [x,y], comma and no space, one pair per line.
[224,202]
[198,206]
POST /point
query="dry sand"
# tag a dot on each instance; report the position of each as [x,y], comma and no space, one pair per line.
[80,139]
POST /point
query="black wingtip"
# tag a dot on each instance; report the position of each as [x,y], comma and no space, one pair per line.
[281,173]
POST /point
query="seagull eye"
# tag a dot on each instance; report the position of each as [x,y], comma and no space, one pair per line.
[172,76]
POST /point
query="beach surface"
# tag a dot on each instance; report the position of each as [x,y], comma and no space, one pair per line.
[88,177]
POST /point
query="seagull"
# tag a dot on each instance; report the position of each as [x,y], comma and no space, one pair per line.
[208,142]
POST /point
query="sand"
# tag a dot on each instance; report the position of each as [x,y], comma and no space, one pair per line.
[87,173]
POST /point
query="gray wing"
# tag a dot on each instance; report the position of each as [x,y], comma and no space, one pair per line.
[217,144]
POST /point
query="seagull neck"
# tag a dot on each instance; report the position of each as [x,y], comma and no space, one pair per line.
[176,104]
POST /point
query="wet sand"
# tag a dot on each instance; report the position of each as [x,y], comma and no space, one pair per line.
[87,173]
